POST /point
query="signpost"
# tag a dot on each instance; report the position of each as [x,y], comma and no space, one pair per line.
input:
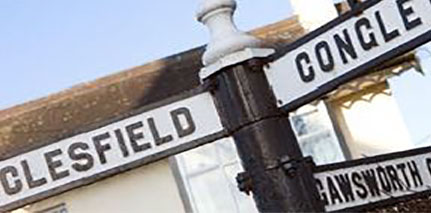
[384,179]
[277,174]
[348,47]
[142,137]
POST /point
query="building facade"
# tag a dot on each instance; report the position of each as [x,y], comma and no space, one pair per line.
[362,118]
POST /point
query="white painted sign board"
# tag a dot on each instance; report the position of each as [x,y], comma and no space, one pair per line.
[370,181]
[141,138]
[348,47]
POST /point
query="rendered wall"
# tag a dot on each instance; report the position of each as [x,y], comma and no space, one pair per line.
[371,122]
[314,13]
[151,188]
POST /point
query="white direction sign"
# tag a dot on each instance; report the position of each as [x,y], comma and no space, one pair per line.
[369,182]
[348,47]
[145,136]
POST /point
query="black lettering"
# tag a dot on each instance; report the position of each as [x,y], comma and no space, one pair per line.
[345,46]
[53,165]
[372,41]
[31,182]
[405,12]
[356,179]
[80,156]
[8,187]
[414,172]
[181,130]
[329,65]
[333,191]
[323,195]
[157,139]
[303,57]
[121,142]
[135,137]
[402,167]
[387,36]
[371,181]
[428,160]
[393,176]
[345,186]
[383,177]
[101,148]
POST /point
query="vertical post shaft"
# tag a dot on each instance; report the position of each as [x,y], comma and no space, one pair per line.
[281,179]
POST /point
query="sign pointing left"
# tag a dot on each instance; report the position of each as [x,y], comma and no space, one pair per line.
[145,136]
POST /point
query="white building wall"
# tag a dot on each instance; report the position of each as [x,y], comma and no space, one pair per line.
[150,188]
[314,13]
[372,123]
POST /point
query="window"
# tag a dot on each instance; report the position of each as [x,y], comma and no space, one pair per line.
[208,174]
[315,134]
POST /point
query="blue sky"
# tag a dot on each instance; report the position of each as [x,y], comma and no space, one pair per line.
[47,46]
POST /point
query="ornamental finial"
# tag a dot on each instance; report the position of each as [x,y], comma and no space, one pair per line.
[225,37]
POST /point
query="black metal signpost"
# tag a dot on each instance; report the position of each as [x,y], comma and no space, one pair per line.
[251,104]
[277,175]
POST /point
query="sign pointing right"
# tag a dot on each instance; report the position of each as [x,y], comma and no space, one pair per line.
[348,47]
